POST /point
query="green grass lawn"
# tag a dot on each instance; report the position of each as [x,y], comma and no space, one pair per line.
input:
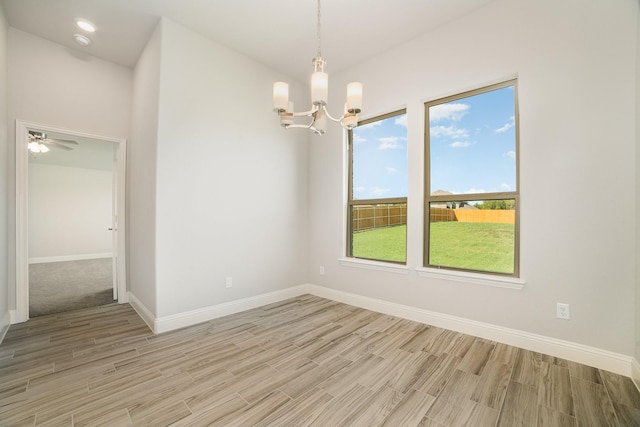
[470,245]
[388,244]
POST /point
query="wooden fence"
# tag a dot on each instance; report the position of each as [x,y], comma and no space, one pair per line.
[442,215]
[500,216]
[367,217]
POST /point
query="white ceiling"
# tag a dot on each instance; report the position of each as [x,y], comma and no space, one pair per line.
[281,34]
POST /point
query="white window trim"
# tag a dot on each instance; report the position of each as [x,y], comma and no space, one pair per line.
[374,265]
[467,277]
[473,278]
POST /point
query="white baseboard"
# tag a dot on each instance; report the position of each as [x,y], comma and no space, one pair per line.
[176,321]
[4,325]
[598,358]
[181,320]
[635,372]
[13,317]
[143,311]
[42,260]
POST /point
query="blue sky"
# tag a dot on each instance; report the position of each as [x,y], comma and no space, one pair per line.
[472,149]
[380,159]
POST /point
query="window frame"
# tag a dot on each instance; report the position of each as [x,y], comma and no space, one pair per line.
[515,195]
[354,202]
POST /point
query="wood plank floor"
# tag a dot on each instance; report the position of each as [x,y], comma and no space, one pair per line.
[306,361]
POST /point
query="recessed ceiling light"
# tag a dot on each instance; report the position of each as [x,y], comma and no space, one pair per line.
[82,40]
[86,25]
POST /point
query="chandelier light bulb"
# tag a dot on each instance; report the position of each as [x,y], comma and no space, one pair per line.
[280,96]
[319,88]
[354,97]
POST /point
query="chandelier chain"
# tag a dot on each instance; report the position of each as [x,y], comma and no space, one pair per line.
[319,30]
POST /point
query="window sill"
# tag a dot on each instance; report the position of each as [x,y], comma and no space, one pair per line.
[474,278]
[374,265]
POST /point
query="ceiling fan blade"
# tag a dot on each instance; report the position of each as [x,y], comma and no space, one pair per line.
[56,144]
[64,141]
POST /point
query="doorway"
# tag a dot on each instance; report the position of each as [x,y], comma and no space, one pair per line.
[56,239]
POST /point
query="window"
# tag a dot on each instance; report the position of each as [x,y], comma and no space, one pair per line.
[377,205]
[471,181]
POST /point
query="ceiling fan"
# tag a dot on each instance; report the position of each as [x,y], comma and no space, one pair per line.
[38,142]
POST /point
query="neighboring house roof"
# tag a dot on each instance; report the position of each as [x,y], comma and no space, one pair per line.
[465,205]
[442,193]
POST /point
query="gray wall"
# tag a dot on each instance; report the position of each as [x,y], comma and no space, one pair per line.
[576,77]
[221,153]
[4,160]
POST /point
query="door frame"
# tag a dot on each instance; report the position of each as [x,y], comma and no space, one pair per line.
[22,211]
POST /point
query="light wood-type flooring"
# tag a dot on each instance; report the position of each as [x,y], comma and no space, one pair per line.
[306,361]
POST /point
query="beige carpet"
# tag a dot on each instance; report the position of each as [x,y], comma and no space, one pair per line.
[63,286]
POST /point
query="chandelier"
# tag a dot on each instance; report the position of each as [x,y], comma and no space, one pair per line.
[318,113]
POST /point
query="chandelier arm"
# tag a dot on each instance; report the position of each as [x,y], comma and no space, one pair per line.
[306,113]
[330,117]
[301,126]
[296,125]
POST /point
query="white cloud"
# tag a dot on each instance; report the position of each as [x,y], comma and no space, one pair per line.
[476,190]
[389,139]
[390,170]
[459,144]
[357,139]
[447,111]
[359,189]
[370,125]
[389,143]
[376,192]
[449,132]
[510,154]
[507,126]
[402,120]
[505,187]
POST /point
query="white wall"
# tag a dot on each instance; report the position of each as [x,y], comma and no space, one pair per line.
[637,298]
[69,213]
[141,175]
[231,183]
[4,159]
[62,89]
[66,89]
[576,68]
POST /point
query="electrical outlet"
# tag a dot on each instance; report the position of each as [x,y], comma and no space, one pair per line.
[322,270]
[228,282]
[562,311]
